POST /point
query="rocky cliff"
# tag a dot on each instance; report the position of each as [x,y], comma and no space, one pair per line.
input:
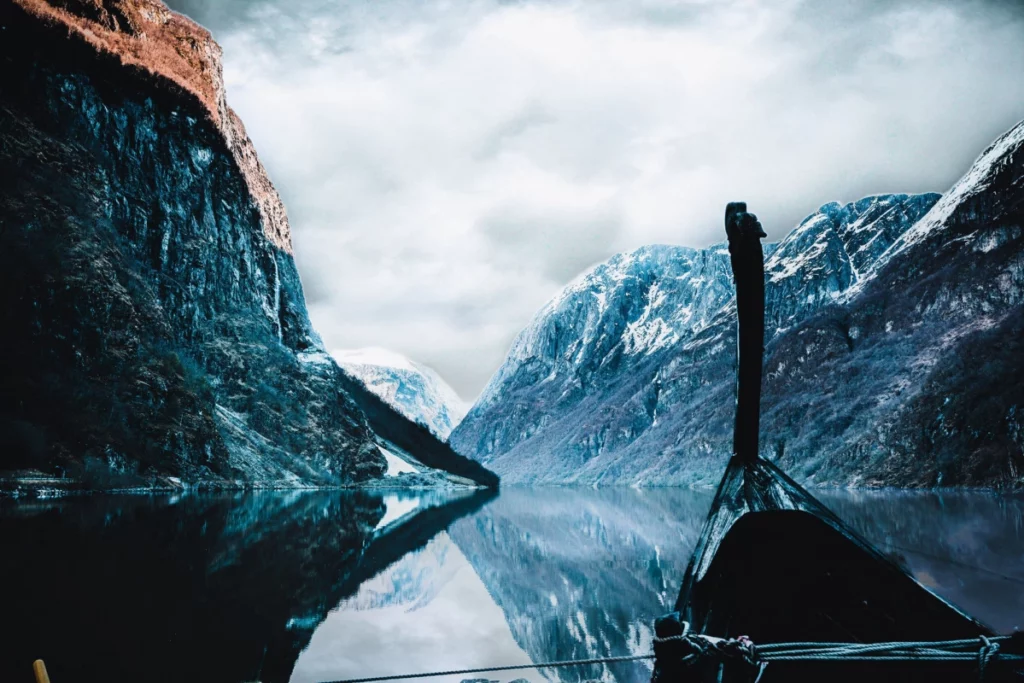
[155,329]
[891,325]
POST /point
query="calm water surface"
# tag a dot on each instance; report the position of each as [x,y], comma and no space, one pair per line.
[317,586]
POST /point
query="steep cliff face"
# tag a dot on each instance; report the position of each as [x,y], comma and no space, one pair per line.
[154,323]
[891,327]
[413,389]
[180,55]
[917,377]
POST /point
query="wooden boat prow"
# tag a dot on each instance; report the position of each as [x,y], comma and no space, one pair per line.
[774,564]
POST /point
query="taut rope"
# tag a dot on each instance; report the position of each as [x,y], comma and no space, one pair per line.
[981,650]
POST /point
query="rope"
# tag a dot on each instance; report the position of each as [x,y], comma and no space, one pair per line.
[988,651]
[965,650]
[513,667]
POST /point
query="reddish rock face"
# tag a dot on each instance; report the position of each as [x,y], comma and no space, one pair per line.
[147,35]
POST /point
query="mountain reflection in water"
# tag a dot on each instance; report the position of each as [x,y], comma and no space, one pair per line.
[321,586]
[195,588]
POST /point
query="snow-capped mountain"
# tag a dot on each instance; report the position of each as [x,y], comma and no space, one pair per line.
[627,376]
[413,389]
[629,307]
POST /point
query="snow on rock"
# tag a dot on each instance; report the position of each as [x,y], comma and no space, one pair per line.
[598,371]
[413,389]
[374,356]
[396,464]
[977,179]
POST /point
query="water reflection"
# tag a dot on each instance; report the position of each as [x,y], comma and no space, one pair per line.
[317,587]
[205,588]
[966,546]
[428,612]
[582,573]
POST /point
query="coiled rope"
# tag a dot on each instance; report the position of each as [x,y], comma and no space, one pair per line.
[981,650]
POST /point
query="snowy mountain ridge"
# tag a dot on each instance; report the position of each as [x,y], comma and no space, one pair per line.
[995,158]
[894,332]
[648,300]
[634,304]
[413,389]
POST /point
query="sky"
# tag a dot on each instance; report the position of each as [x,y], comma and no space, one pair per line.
[448,167]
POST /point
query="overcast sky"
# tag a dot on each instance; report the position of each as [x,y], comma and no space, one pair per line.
[448,166]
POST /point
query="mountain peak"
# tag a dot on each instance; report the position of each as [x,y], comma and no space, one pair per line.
[411,388]
[979,178]
[375,356]
[616,335]
[178,56]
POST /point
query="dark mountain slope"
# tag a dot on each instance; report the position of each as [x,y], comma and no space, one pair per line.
[918,378]
[154,327]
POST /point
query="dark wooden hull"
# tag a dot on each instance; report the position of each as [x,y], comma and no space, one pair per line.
[774,564]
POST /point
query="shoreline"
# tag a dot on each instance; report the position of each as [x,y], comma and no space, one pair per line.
[50,488]
[41,488]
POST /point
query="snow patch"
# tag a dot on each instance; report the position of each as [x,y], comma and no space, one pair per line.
[315,357]
[396,465]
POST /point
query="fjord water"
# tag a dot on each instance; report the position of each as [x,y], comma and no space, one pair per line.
[319,586]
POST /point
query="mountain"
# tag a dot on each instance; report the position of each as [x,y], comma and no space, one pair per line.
[155,330]
[891,353]
[414,390]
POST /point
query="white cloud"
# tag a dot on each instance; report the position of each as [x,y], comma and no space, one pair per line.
[448,166]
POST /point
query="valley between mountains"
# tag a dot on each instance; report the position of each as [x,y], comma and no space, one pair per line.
[157,336]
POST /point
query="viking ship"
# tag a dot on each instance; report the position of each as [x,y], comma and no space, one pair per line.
[773,566]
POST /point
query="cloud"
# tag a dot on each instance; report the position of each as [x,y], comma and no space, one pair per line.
[555,241]
[448,166]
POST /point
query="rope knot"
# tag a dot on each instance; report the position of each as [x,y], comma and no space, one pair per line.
[677,649]
[987,651]
[741,647]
